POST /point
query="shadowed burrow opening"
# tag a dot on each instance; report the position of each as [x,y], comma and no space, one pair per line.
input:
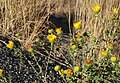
[57,21]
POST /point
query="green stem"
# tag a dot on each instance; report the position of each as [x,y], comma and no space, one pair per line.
[33,68]
[37,62]
[53,59]
[48,53]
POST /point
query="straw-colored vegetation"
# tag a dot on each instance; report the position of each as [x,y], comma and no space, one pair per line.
[90,52]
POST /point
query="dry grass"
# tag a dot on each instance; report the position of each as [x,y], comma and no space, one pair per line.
[31,19]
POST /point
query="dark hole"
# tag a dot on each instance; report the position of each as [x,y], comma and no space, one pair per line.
[60,21]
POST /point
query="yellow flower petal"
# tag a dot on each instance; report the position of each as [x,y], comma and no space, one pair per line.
[59,31]
[1,72]
[10,44]
[76,68]
[115,11]
[96,9]
[104,53]
[113,58]
[51,38]
[61,72]
[73,47]
[77,25]
[57,68]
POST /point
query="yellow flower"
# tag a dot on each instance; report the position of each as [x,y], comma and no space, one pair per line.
[68,72]
[1,72]
[77,25]
[104,53]
[74,47]
[115,11]
[76,68]
[61,72]
[96,9]
[113,58]
[10,44]
[57,68]
[59,31]
[51,38]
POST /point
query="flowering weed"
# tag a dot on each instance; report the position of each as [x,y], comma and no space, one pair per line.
[45,54]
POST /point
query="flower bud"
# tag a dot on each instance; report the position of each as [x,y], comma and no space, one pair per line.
[17,34]
[113,58]
[104,53]
[37,39]
[74,47]
[50,31]
[57,68]
[76,68]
